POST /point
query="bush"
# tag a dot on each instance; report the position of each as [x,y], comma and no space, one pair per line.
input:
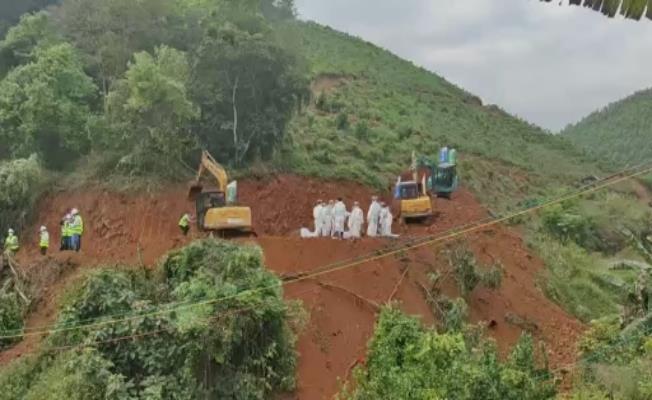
[467,273]
[565,223]
[20,186]
[342,121]
[362,130]
[237,343]
[408,361]
[11,317]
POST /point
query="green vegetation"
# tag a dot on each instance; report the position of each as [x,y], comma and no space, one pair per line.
[21,183]
[149,81]
[240,347]
[583,244]
[616,364]
[371,110]
[409,361]
[11,316]
[618,135]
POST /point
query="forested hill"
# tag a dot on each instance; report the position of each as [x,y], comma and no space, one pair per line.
[371,109]
[620,134]
[142,86]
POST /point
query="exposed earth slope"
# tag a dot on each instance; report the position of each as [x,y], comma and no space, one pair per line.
[138,229]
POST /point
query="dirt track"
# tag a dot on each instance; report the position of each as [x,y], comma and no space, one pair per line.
[139,229]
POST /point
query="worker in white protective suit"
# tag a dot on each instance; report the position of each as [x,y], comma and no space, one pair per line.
[373,217]
[327,221]
[386,221]
[356,220]
[339,218]
[317,214]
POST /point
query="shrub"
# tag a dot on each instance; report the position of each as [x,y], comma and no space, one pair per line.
[409,361]
[20,186]
[342,121]
[11,317]
[362,130]
[565,223]
[467,273]
[236,343]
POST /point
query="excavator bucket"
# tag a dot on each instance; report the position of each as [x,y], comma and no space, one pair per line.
[194,190]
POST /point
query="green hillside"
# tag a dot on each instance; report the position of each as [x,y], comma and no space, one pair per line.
[371,109]
[620,134]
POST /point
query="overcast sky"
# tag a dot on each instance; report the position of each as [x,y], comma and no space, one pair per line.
[548,64]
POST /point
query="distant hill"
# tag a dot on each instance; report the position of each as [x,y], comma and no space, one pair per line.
[620,134]
[371,109]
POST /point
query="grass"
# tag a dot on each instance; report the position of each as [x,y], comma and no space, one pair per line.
[393,108]
[580,282]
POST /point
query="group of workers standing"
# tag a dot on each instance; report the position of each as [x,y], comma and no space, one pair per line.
[72,230]
[332,218]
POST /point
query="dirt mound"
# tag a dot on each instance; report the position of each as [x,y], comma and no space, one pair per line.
[140,228]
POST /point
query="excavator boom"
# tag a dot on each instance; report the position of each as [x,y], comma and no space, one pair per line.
[209,164]
[215,211]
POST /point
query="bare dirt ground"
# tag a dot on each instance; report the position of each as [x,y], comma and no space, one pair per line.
[139,229]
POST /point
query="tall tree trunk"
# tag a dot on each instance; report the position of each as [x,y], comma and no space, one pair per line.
[235,121]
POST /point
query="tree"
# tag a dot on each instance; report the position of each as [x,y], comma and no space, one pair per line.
[409,361]
[20,43]
[11,11]
[278,9]
[44,107]
[246,84]
[633,9]
[150,111]
[110,31]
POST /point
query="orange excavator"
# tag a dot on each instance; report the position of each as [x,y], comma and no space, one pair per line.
[217,209]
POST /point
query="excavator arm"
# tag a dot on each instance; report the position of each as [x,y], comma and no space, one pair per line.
[209,164]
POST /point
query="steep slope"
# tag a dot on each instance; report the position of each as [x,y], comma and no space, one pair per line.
[620,134]
[138,228]
[371,109]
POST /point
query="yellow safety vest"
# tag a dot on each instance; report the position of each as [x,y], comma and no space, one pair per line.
[45,240]
[11,243]
[184,222]
[66,229]
[77,227]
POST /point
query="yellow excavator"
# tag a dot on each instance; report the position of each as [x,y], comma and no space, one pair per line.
[414,201]
[216,209]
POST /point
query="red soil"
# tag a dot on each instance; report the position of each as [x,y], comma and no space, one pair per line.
[140,228]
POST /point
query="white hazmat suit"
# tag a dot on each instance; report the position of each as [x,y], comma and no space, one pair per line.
[373,216]
[317,214]
[386,221]
[327,220]
[339,218]
[356,219]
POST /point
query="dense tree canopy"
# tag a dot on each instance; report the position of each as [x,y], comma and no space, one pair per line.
[173,76]
[45,104]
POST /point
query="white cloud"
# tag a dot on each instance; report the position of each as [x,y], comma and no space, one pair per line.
[549,64]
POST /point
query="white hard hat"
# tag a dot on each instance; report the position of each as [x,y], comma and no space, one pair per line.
[10,231]
[74,211]
[43,228]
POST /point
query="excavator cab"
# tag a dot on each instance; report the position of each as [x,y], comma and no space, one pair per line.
[445,180]
[214,213]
